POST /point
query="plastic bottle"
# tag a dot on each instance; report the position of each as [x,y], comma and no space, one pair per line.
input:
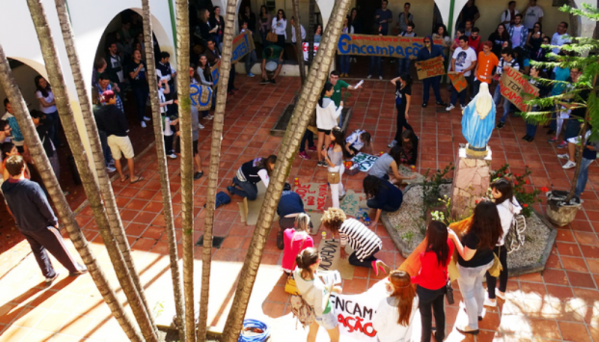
[367,221]
[324,235]
[296,182]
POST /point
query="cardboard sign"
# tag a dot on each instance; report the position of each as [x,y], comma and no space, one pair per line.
[458,80]
[201,96]
[330,255]
[516,88]
[430,68]
[242,45]
[313,195]
[364,160]
[384,46]
[354,204]
[306,47]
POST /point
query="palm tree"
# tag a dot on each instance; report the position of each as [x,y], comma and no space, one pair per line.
[116,225]
[66,216]
[217,133]
[311,29]
[90,186]
[298,41]
[163,170]
[186,164]
[289,147]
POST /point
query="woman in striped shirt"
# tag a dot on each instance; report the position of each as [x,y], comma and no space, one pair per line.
[362,240]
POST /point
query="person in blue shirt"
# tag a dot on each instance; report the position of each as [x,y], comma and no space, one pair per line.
[383,17]
[381,195]
[428,52]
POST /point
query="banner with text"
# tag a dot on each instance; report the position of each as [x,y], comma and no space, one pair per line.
[384,46]
[516,88]
[458,80]
[306,47]
[430,68]
[242,45]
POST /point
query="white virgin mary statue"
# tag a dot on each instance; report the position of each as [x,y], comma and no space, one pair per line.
[478,119]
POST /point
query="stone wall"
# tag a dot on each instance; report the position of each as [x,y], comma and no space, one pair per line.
[470,182]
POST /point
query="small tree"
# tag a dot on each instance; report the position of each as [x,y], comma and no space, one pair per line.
[585,58]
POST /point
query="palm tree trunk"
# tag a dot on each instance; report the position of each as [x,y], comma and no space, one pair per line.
[163,169]
[91,188]
[186,163]
[298,41]
[289,147]
[114,219]
[215,147]
[66,216]
[311,29]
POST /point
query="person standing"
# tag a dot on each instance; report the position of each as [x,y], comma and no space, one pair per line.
[403,96]
[248,17]
[532,14]
[507,61]
[105,84]
[265,24]
[42,126]
[279,27]
[115,65]
[500,39]
[403,64]
[518,32]
[589,155]
[535,73]
[405,18]
[28,204]
[166,70]
[507,17]
[333,159]
[344,59]
[302,31]
[48,107]
[139,83]
[383,17]
[251,57]
[338,86]
[432,279]
[16,135]
[395,314]
[217,21]
[463,61]
[560,37]
[474,41]
[430,51]
[487,62]
[469,13]
[213,55]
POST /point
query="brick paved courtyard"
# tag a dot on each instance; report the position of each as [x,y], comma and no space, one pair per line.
[561,304]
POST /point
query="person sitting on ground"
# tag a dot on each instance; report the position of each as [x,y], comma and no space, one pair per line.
[111,120]
[326,119]
[381,195]
[29,206]
[358,140]
[389,163]
[249,174]
[316,293]
[362,240]
[296,240]
[272,62]
[395,314]
[289,208]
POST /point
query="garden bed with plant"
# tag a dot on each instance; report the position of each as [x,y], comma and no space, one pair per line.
[430,200]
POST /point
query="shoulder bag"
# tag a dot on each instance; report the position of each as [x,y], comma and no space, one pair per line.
[272,37]
[496,269]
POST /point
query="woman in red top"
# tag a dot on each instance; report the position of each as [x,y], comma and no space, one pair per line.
[296,240]
[432,278]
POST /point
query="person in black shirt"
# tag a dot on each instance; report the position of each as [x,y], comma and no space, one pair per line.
[139,83]
[42,125]
[475,258]
[166,71]
[469,13]
[381,195]
[249,174]
[289,207]
[248,17]
[403,95]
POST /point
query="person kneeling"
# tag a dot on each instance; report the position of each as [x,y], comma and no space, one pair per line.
[289,208]
[249,174]
[381,195]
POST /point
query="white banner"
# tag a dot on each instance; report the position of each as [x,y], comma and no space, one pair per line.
[306,46]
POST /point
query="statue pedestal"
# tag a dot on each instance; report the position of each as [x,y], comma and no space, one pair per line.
[471,181]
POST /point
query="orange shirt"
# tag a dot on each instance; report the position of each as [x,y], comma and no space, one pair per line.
[485,66]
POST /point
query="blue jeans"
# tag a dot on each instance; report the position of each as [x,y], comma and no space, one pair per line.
[454,96]
[344,64]
[309,137]
[403,66]
[497,97]
[583,176]
[473,292]
[250,59]
[105,148]
[53,129]
[427,83]
[375,63]
[553,122]
[531,129]
[141,95]
[250,191]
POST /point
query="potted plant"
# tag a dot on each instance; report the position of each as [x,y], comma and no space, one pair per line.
[562,206]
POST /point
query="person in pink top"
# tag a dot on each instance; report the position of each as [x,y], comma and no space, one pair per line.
[296,240]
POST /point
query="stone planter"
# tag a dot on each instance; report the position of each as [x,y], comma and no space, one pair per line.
[558,211]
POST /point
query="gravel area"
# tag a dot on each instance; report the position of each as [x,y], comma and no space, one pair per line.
[536,235]
[406,171]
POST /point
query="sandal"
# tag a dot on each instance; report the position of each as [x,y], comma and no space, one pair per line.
[125,179]
[139,179]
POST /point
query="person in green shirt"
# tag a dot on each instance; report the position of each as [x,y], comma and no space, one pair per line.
[272,62]
[339,84]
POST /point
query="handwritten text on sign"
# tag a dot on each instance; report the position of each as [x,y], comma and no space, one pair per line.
[313,195]
[430,68]
[386,46]
[201,96]
[458,80]
[242,45]
[514,86]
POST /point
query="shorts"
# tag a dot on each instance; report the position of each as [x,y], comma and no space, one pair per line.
[120,144]
[572,128]
[327,321]
[195,147]
[325,131]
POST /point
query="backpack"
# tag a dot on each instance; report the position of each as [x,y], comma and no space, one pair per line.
[514,238]
[302,310]
[221,199]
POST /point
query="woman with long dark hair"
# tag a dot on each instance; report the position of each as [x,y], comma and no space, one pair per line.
[279,26]
[409,148]
[48,106]
[499,37]
[205,78]
[204,31]
[249,174]
[475,258]
[217,22]
[316,293]
[318,33]
[388,164]
[333,157]
[535,38]
[507,208]
[395,314]
[326,118]
[381,195]
[432,279]
[441,33]
[265,23]
[403,96]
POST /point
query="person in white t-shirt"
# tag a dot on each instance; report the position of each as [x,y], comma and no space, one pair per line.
[463,61]
[48,106]
[532,14]
[560,37]
[302,30]
[358,140]
[507,17]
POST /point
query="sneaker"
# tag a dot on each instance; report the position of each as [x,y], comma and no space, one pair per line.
[209,117]
[172,156]
[500,125]
[110,169]
[143,124]
[273,82]
[369,76]
[467,330]
[230,190]
[263,82]
[552,140]
[304,155]
[569,165]
[563,144]
[322,163]
[500,294]
[530,139]
[81,271]
[564,156]
[490,303]
[311,148]
[111,163]
[198,175]
[51,279]
[200,126]
[424,104]
[250,75]
[147,118]
[462,106]
[392,144]
[450,107]
[341,196]
[381,78]
[526,137]
[441,103]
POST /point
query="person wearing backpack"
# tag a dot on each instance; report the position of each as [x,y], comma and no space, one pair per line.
[507,208]
[316,294]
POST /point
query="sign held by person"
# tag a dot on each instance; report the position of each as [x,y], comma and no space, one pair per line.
[458,80]
[306,47]
[516,88]
[430,68]
[242,45]
[384,46]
